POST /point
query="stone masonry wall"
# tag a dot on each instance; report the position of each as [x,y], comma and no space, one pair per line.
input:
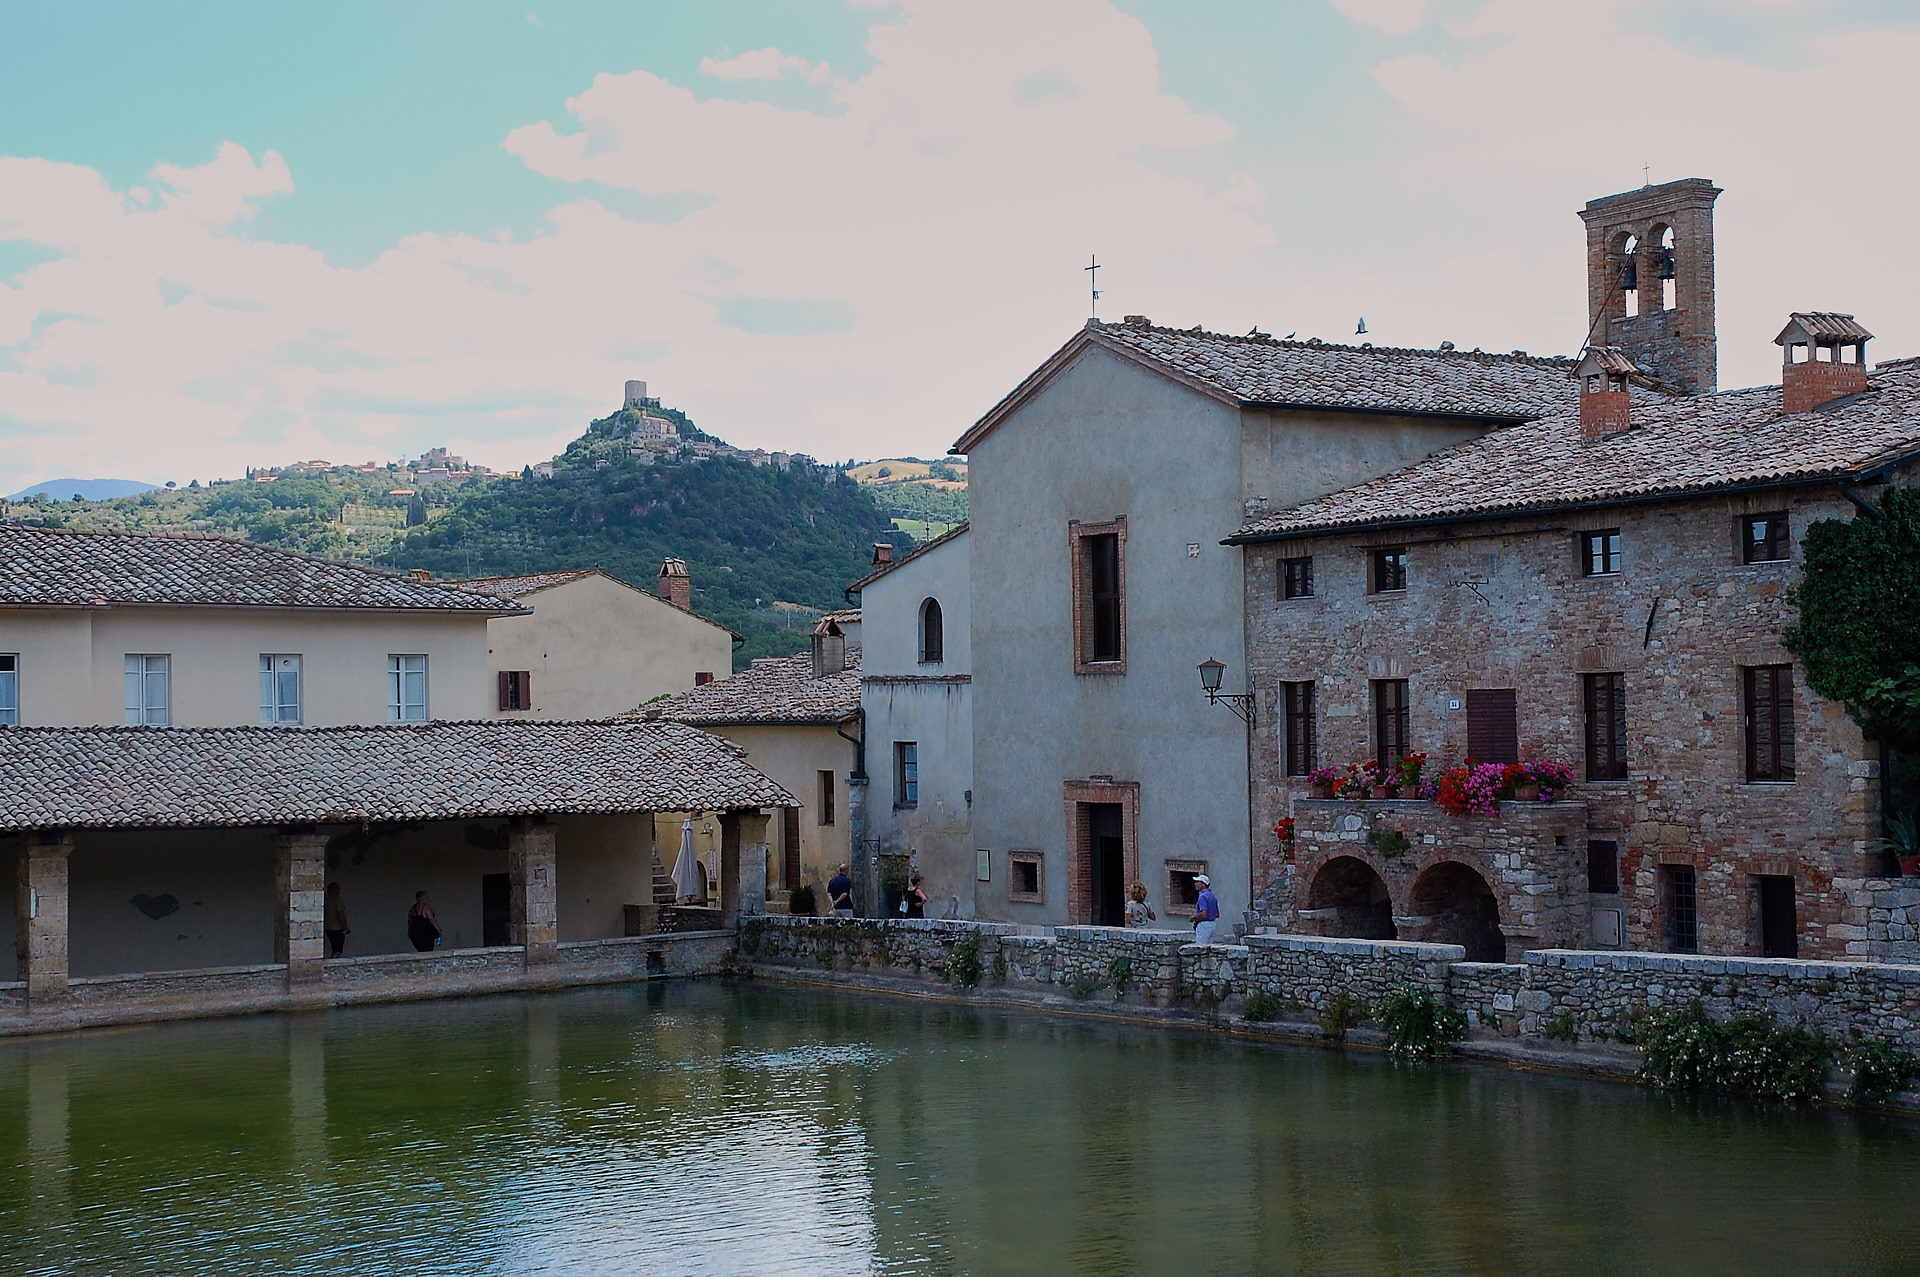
[1504,604]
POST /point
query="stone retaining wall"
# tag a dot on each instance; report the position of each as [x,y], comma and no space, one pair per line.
[1879,919]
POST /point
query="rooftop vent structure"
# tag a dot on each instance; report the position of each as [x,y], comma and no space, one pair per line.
[1814,345]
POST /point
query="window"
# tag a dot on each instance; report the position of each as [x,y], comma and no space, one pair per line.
[1391,735]
[279,688]
[1603,868]
[1027,877]
[1679,907]
[1606,709]
[825,806]
[9,689]
[933,643]
[1099,597]
[1183,893]
[1297,701]
[1493,725]
[1296,578]
[1389,569]
[702,677]
[1763,538]
[148,696]
[1600,552]
[516,689]
[407,689]
[790,848]
[1779,920]
[906,774]
[1769,696]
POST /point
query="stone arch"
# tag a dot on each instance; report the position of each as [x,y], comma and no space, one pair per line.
[1348,897]
[1456,906]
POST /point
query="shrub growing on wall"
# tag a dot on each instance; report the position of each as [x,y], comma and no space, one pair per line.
[1417,1026]
[1749,1055]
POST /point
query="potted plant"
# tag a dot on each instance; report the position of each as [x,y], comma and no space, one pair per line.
[1550,780]
[1902,842]
[893,883]
[1407,770]
[1284,832]
[1322,780]
[801,903]
[1355,783]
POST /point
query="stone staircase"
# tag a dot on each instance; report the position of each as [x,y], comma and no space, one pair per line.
[664,890]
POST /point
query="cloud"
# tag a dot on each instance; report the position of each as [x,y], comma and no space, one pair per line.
[765,64]
[1395,17]
[225,189]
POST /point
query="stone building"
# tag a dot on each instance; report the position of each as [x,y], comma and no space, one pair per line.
[1606,587]
[1100,487]
[916,690]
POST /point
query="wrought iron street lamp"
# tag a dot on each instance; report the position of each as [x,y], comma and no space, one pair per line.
[1241,703]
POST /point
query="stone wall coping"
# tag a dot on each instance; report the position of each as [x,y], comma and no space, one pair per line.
[1489,968]
[1131,935]
[1360,948]
[1228,952]
[1700,964]
[436,955]
[8,986]
[952,926]
[128,977]
[661,937]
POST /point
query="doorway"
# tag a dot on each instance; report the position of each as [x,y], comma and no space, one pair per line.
[1106,864]
[496,910]
[1779,932]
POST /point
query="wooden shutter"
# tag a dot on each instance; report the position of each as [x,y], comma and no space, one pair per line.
[526,689]
[506,690]
[790,846]
[1493,725]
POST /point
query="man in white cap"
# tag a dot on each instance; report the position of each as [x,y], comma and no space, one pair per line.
[1206,911]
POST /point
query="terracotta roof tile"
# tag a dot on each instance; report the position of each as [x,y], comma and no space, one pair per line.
[123,777]
[779,690]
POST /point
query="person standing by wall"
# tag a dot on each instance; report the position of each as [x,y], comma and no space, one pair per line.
[423,929]
[840,894]
[1139,913]
[335,922]
[1206,911]
[914,902]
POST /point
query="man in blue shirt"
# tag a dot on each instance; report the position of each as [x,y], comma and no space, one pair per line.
[1206,911]
[840,894]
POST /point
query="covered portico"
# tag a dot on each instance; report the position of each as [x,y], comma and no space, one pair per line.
[167,872]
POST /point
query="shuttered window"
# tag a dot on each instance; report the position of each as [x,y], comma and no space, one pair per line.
[516,689]
[1606,711]
[790,847]
[1298,698]
[1493,725]
[1769,695]
[1763,538]
[1392,734]
[1389,569]
[1296,578]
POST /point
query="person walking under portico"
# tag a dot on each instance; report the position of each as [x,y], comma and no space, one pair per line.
[1206,911]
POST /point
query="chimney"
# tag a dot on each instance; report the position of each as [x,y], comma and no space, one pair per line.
[1606,407]
[420,574]
[1814,344]
[829,648]
[882,553]
[676,587]
[636,394]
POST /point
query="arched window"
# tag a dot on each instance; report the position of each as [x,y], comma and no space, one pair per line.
[933,641]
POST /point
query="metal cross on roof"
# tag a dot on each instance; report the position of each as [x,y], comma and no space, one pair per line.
[1093,282]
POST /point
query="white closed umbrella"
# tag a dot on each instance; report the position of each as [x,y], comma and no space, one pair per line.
[686,870]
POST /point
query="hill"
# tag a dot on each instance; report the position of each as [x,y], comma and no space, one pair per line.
[768,546]
[85,489]
[925,498]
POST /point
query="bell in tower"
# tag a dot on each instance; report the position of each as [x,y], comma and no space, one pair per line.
[1650,281]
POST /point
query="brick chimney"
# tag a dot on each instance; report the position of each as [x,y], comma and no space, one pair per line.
[1814,344]
[882,553]
[1606,407]
[676,587]
[829,648]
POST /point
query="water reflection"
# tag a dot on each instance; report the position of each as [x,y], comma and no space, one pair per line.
[703,1129]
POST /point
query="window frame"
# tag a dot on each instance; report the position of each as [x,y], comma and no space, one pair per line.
[272,685]
[1777,767]
[1299,740]
[1175,901]
[1038,860]
[1779,537]
[906,774]
[1680,928]
[1296,577]
[1613,685]
[1401,716]
[1086,622]
[825,782]
[516,691]
[397,703]
[9,689]
[1603,850]
[1493,710]
[1387,569]
[1606,542]
[145,709]
[932,627]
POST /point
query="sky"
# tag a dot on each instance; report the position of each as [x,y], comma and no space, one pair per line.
[235,234]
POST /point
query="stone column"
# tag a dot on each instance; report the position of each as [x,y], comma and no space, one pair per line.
[531,867]
[860,861]
[299,911]
[40,924]
[743,865]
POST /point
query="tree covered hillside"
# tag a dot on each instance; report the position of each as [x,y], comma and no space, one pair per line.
[758,540]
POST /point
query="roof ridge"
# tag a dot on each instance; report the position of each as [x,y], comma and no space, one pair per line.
[197,534]
[1368,348]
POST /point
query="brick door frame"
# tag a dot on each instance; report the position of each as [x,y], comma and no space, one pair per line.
[1077,793]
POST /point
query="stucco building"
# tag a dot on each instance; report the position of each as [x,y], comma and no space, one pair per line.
[1099,491]
[1606,587]
[917,719]
[590,645]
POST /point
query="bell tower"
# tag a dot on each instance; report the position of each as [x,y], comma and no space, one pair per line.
[1650,280]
